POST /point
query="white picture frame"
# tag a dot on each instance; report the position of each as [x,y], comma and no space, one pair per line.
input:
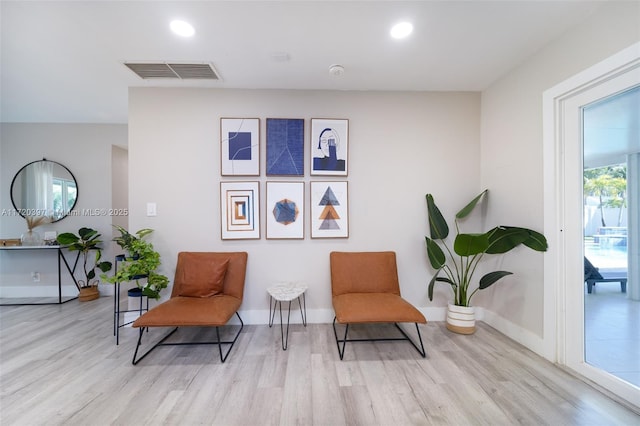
[239,210]
[240,146]
[285,210]
[329,147]
[329,209]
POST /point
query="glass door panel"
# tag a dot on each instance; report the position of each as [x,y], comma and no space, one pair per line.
[611,139]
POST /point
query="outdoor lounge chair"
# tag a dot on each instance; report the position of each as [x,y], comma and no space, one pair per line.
[593,275]
[207,292]
[365,290]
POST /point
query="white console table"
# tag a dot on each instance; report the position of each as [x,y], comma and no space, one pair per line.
[61,260]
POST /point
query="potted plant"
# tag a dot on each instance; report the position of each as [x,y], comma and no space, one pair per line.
[87,242]
[456,268]
[126,239]
[139,264]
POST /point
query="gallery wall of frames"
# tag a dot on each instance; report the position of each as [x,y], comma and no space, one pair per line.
[286,201]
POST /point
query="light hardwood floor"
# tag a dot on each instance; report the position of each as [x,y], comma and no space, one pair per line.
[59,365]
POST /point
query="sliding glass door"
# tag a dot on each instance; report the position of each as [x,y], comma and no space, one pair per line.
[592,221]
[611,142]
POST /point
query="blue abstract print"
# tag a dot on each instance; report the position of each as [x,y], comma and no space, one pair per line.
[285,147]
[240,146]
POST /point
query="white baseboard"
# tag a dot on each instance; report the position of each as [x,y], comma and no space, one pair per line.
[106,289]
[36,291]
[48,291]
[435,313]
[319,316]
[515,332]
[261,316]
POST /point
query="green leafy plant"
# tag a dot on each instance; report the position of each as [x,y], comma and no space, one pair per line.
[126,239]
[140,263]
[456,268]
[86,242]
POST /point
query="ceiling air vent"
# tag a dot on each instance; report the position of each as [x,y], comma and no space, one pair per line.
[179,71]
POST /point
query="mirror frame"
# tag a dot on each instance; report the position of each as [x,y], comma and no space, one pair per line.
[20,210]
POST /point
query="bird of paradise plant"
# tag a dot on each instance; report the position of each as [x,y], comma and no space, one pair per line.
[457,267]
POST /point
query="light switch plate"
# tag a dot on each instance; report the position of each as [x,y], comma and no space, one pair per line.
[151,209]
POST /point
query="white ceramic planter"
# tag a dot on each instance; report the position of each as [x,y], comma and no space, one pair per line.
[461,319]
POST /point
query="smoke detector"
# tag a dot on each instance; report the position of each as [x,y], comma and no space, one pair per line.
[336,70]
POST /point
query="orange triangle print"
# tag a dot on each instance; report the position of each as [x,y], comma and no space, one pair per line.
[329,213]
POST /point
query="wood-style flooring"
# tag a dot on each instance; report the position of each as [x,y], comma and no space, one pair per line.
[59,365]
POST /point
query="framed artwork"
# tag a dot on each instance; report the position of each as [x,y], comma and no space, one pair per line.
[239,210]
[240,146]
[285,147]
[329,210]
[329,146]
[285,210]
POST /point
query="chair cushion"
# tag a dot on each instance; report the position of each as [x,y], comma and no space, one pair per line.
[190,311]
[203,277]
[374,307]
[364,272]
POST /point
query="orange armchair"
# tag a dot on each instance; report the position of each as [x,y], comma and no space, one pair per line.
[207,292]
[365,289]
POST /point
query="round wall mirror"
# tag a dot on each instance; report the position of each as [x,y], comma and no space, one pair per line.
[44,188]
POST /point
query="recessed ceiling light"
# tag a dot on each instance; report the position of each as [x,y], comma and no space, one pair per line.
[182,28]
[401,30]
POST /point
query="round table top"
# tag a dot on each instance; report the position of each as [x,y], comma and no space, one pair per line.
[286,291]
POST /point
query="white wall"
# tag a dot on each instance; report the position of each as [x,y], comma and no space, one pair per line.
[120,187]
[85,149]
[402,145]
[512,162]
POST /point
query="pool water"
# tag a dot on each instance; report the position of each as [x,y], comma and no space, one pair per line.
[608,258]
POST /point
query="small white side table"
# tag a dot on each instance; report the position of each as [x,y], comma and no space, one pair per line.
[287,292]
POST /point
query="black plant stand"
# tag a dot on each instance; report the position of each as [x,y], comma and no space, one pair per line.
[132,292]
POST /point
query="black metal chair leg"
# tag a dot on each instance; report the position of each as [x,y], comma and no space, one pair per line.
[223,356]
[420,351]
[134,361]
[344,341]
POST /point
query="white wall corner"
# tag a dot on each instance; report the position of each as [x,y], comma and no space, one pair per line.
[515,332]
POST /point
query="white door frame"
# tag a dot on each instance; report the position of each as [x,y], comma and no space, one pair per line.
[564,303]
